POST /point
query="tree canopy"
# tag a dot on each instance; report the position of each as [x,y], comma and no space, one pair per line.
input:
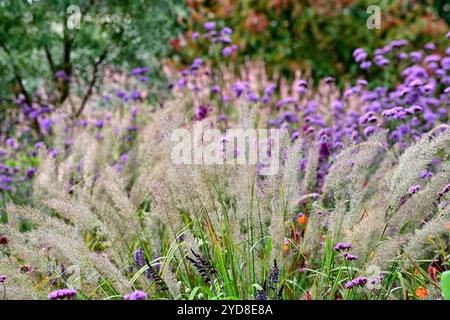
[50,49]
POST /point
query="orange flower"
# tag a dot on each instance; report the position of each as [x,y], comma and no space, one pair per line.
[416,272]
[301,219]
[286,246]
[421,292]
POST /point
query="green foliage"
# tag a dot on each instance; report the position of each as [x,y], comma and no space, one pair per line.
[319,36]
[445,284]
[443,9]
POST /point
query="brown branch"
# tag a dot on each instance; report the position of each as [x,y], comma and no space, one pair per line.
[66,58]
[17,75]
[90,5]
[51,63]
[66,67]
[92,83]
[53,70]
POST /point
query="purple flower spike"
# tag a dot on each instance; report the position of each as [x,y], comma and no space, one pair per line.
[139,258]
[2,278]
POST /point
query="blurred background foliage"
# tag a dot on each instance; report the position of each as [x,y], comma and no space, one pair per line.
[315,35]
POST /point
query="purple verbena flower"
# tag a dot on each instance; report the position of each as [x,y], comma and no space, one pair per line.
[226,31]
[201,113]
[99,124]
[136,295]
[30,172]
[359,281]
[215,89]
[349,257]
[295,135]
[227,51]
[430,46]
[365,65]
[413,189]
[61,74]
[444,191]
[342,246]
[425,174]
[369,130]
[210,25]
[329,80]
[362,83]
[62,294]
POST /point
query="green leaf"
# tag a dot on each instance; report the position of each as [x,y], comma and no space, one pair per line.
[445,285]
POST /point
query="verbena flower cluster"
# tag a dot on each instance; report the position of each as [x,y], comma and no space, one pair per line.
[62,294]
[360,281]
